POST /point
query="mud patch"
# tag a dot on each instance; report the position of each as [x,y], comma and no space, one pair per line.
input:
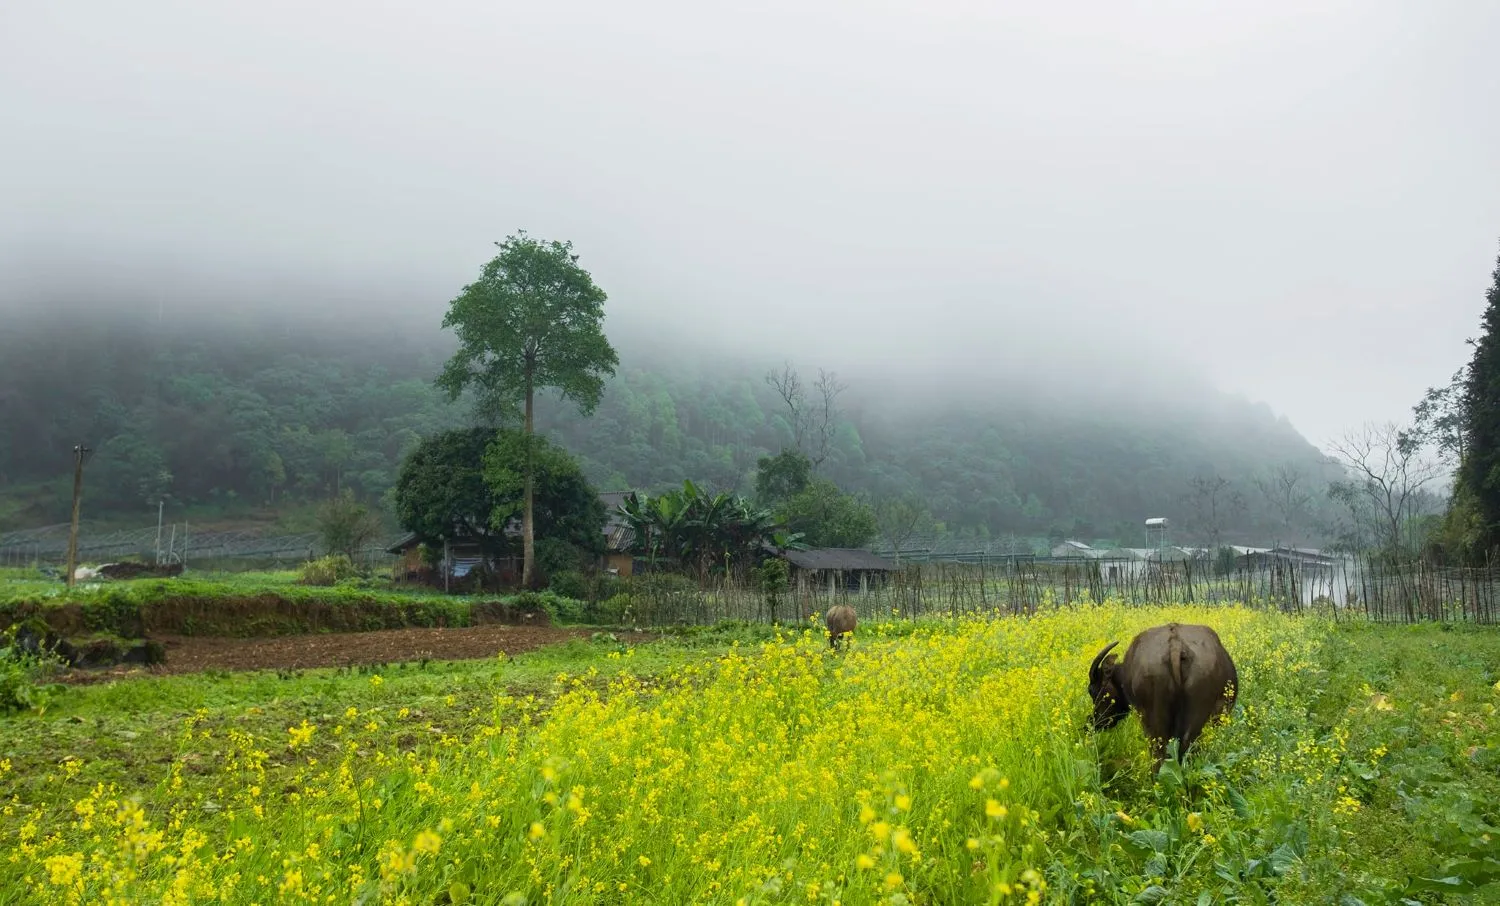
[195,654]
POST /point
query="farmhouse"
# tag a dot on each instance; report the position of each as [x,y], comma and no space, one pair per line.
[618,558]
[844,568]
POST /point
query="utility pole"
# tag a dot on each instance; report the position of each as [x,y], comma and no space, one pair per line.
[159,506]
[80,453]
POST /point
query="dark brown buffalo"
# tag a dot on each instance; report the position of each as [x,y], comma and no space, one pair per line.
[840,620]
[1178,677]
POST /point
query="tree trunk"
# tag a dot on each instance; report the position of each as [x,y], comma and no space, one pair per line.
[528,546]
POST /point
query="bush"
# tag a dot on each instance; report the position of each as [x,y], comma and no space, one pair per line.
[774,577]
[571,584]
[23,675]
[559,609]
[327,571]
[346,525]
[616,609]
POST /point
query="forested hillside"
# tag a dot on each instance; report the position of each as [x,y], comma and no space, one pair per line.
[243,412]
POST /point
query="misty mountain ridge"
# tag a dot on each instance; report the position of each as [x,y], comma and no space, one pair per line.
[258,406]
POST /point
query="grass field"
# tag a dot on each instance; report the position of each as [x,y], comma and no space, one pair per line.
[935,762]
[239,604]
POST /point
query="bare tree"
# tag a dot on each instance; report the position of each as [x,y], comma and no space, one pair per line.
[826,417]
[898,518]
[1385,489]
[1215,501]
[788,385]
[813,421]
[1285,490]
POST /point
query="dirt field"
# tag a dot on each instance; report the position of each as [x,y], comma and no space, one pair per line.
[193,654]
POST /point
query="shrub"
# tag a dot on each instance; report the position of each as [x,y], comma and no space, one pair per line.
[616,609]
[570,584]
[774,577]
[346,525]
[327,571]
[23,675]
[559,609]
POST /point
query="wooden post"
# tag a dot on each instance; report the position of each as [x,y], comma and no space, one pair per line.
[79,452]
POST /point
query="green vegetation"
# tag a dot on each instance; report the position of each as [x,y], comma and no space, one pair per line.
[245,604]
[1477,496]
[468,484]
[936,761]
[692,530]
[532,321]
[259,416]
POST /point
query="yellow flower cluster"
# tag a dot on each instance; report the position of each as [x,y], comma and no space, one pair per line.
[933,763]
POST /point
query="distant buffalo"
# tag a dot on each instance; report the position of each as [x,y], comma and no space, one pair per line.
[840,619]
[1178,677]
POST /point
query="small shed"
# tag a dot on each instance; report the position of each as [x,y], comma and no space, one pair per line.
[618,558]
[1123,564]
[848,568]
[463,555]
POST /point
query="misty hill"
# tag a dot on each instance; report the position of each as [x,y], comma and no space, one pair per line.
[243,412]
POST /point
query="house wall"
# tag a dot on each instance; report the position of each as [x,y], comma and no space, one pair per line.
[623,562]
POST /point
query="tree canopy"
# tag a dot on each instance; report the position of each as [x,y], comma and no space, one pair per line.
[532,320]
[570,516]
[466,484]
[827,517]
[1479,471]
[442,493]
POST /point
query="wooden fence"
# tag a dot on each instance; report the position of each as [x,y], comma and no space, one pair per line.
[1355,587]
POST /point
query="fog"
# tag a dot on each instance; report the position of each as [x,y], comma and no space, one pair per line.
[1292,202]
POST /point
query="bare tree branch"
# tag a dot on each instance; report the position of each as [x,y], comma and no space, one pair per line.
[1387,478]
[1285,489]
[814,422]
[829,388]
[1215,501]
[788,386]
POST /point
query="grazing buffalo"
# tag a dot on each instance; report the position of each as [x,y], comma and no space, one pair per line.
[1178,677]
[840,620]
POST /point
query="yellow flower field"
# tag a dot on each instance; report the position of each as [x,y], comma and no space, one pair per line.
[936,763]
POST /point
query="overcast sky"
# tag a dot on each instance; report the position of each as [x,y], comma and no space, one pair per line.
[1300,201]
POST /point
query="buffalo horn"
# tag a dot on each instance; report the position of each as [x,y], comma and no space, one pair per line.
[1099,658]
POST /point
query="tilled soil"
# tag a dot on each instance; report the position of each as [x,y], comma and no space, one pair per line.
[194,654]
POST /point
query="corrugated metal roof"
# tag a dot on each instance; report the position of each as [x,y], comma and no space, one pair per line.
[838,558]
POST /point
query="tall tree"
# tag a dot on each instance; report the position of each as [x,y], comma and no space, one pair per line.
[1440,418]
[532,320]
[1479,474]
